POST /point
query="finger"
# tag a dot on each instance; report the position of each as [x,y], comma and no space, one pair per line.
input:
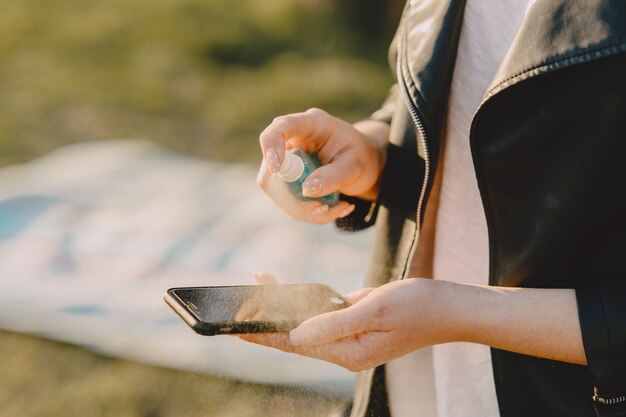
[315,212]
[263,278]
[354,354]
[272,141]
[311,211]
[278,192]
[338,353]
[324,214]
[340,211]
[334,176]
[264,175]
[330,327]
[332,353]
[298,128]
[278,341]
[356,296]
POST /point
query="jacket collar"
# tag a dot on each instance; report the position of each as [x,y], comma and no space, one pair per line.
[428,44]
[559,33]
[427,41]
[555,34]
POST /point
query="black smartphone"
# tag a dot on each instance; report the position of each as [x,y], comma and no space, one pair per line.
[251,308]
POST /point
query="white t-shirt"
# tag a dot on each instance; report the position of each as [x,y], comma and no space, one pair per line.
[456,379]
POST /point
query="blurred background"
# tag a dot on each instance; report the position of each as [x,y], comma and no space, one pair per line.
[195,81]
[198,76]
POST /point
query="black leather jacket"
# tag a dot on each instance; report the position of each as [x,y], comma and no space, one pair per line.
[549,149]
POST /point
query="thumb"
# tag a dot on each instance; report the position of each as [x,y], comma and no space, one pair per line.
[329,327]
[356,296]
[263,278]
[329,178]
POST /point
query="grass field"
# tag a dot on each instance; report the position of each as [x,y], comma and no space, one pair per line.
[199,76]
[46,379]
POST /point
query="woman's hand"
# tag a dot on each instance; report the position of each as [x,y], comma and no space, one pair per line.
[394,319]
[352,156]
[382,324]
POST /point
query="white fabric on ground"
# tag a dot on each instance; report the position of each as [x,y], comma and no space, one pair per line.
[92,235]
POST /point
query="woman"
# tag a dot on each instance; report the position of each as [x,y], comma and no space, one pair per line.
[494,167]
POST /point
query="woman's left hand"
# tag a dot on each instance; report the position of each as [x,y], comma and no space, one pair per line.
[381,325]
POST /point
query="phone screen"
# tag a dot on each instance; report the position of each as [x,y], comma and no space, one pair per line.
[268,307]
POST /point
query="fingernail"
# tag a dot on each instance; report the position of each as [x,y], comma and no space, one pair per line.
[298,337]
[271,156]
[312,187]
[347,210]
[320,210]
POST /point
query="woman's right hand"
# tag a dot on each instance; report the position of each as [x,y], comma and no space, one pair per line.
[352,157]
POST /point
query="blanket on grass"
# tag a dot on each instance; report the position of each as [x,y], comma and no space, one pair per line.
[93,234]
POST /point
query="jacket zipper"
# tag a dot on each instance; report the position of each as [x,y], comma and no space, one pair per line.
[419,125]
[360,407]
[611,400]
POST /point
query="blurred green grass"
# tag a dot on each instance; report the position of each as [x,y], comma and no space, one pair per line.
[199,76]
[203,77]
[40,378]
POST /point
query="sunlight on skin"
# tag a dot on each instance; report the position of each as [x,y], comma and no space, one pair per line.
[356,338]
[263,278]
[392,320]
[353,157]
[311,211]
[282,341]
[399,317]
[381,323]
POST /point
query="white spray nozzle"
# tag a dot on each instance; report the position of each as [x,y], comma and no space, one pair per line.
[292,167]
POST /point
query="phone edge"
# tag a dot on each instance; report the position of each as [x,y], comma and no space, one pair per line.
[219,328]
[196,325]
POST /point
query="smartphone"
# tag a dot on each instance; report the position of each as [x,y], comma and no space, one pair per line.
[252,308]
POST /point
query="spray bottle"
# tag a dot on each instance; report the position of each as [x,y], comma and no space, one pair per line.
[296,167]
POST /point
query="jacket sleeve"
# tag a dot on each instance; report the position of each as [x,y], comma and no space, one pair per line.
[364,214]
[602,314]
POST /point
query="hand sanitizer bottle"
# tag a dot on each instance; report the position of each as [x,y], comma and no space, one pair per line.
[296,167]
